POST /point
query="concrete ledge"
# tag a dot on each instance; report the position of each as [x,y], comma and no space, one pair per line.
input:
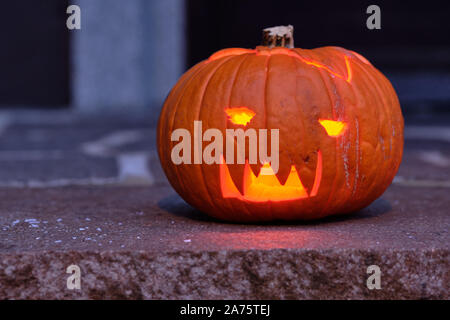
[240,274]
[146,243]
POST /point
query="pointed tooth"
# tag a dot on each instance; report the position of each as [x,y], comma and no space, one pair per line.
[307,170]
[237,175]
[284,168]
[248,178]
[256,168]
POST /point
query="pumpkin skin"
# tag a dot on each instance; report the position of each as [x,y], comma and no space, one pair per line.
[290,90]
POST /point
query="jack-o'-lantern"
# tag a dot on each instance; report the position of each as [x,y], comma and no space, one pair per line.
[330,119]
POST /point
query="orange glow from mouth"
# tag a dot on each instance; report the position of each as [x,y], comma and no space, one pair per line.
[240,115]
[333,128]
[266,186]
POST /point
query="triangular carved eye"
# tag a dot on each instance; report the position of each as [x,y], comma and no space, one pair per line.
[333,128]
[240,115]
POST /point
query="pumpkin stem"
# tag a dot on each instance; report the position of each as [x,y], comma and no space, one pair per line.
[281,36]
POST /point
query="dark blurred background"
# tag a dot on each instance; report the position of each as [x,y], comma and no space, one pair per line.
[128,55]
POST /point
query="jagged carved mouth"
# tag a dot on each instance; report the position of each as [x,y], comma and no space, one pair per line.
[266,186]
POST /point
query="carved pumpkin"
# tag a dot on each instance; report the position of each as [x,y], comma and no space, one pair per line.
[339,122]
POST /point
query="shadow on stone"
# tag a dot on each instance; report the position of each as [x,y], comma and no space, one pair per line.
[375,209]
[175,205]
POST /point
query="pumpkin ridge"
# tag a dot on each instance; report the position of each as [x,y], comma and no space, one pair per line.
[202,95]
[349,69]
[387,88]
[197,117]
[387,115]
[317,64]
[300,107]
[347,142]
[359,155]
[233,82]
[214,69]
[391,105]
[353,179]
[266,80]
[343,146]
[294,61]
[172,120]
[333,185]
[230,52]
[305,134]
[357,149]
[291,53]
[379,177]
[397,114]
[163,123]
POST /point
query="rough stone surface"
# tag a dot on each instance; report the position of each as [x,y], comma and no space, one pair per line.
[236,274]
[145,242]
